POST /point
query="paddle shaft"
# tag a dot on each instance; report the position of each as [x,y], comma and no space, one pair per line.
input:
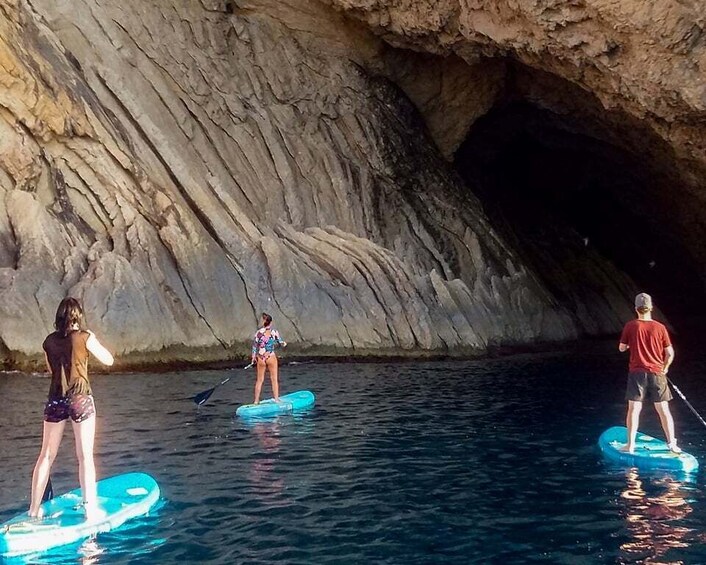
[202,397]
[680,393]
[48,491]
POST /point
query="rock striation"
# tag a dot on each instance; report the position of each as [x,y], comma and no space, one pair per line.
[181,166]
[632,74]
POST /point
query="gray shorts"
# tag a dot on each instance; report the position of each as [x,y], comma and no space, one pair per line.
[650,387]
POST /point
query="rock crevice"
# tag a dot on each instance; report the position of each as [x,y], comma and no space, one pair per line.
[182,166]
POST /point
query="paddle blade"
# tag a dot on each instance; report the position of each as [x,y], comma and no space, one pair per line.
[202,397]
[48,491]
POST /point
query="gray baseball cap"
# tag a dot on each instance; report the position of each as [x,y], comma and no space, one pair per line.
[643,300]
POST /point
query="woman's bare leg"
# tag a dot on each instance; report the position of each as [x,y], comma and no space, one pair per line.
[85,433]
[260,379]
[273,368]
[51,439]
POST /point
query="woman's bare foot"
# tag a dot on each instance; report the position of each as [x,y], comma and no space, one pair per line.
[627,449]
[39,514]
[673,447]
[93,511]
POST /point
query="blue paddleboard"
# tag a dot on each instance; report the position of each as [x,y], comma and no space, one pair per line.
[300,400]
[650,453]
[121,497]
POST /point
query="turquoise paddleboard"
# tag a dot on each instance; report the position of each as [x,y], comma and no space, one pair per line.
[650,453]
[121,497]
[300,400]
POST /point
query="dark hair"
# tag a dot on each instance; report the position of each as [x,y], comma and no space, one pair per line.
[268,318]
[643,309]
[68,313]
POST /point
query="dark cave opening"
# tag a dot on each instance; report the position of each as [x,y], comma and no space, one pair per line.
[557,194]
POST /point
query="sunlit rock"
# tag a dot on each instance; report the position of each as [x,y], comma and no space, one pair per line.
[183,166]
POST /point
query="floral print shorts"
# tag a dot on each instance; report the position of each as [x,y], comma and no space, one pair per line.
[78,407]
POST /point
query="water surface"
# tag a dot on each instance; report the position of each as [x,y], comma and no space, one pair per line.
[488,461]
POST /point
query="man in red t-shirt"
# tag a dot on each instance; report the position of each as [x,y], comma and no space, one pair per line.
[651,354]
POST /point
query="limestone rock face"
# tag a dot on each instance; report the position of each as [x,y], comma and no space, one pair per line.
[630,73]
[181,166]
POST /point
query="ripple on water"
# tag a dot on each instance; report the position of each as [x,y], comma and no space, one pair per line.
[476,462]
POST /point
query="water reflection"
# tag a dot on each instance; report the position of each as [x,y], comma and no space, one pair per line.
[90,552]
[267,485]
[87,553]
[270,459]
[653,507]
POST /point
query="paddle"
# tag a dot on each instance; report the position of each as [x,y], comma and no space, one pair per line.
[686,401]
[48,491]
[202,397]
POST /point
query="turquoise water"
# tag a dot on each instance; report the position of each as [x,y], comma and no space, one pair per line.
[491,461]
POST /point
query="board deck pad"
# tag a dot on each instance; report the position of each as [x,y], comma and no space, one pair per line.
[300,400]
[650,452]
[120,498]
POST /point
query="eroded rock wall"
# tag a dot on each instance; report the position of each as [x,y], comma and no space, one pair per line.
[647,58]
[630,73]
[182,166]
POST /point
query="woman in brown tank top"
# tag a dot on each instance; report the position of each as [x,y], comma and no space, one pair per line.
[70,396]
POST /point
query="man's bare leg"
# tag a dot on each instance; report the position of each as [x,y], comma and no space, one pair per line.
[632,421]
[665,417]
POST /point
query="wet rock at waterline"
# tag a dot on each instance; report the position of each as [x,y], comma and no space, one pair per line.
[182,166]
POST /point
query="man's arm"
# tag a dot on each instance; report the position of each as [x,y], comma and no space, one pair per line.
[668,358]
[624,339]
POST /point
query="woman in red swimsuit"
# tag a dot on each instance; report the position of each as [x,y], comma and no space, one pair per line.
[263,353]
[70,396]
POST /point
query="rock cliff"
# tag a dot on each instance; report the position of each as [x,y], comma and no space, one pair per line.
[182,166]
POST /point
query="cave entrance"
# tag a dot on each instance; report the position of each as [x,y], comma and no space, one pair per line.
[559,194]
